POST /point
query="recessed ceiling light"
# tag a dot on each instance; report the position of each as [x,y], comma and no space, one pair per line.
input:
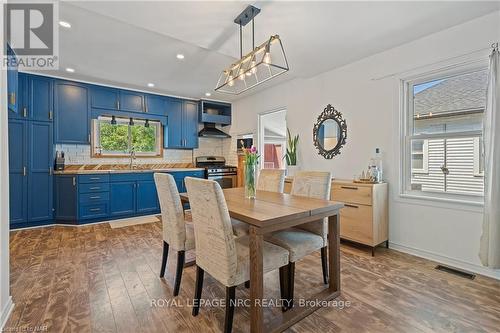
[208,94]
[65,24]
[151,85]
[70,70]
[180,56]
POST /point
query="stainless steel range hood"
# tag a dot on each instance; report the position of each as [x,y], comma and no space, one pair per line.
[210,131]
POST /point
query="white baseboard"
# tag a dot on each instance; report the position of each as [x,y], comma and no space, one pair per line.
[492,273]
[6,311]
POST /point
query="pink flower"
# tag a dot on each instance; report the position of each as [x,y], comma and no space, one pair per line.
[253,150]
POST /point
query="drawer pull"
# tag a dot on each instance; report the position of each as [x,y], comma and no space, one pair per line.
[95,188]
[352,206]
[95,209]
[95,178]
[96,197]
[349,187]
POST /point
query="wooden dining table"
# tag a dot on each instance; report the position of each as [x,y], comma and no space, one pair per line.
[269,212]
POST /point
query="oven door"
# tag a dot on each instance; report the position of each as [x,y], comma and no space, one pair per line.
[226,181]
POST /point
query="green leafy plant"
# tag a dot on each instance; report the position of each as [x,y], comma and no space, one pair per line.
[291,149]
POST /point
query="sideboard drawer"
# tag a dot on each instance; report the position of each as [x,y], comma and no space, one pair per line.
[93,197]
[92,211]
[352,193]
[97,178]
[356,223]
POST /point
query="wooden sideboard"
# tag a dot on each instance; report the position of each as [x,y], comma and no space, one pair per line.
[364,219]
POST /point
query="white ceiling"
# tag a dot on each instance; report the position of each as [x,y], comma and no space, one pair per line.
[130,43]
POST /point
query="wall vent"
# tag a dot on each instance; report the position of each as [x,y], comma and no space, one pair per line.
[456,271]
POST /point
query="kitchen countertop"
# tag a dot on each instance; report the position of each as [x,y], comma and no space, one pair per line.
[124,168]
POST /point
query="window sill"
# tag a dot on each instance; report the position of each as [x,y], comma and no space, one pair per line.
[440,202]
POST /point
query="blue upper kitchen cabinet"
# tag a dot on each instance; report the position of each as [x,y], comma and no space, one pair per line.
[182,130]
[18,180]
[173,134]
[21,98]
[40,94]
[190,124]
[147,198]
[131,101]
[40,179]
[156,104]
[72,107]
[12,84]
[105,98]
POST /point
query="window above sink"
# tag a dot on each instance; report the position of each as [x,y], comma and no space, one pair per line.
[119,137]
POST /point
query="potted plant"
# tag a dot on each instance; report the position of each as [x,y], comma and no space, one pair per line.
[291,153]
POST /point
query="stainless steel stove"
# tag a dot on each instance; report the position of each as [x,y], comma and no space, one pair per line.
[216,169]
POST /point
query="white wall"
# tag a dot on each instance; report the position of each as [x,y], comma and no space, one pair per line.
[446,232]
[5,299]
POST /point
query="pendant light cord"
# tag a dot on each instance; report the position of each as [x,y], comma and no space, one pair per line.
[241,41]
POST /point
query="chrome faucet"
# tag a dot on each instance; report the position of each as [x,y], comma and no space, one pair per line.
[132,158]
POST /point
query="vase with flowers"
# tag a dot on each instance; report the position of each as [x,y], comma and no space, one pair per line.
[250,164]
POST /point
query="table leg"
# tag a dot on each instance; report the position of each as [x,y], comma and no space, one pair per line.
[334,252]
[256,282]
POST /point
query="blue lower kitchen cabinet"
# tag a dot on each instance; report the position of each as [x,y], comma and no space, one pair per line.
[147,198]
[123,198]
[72,109]
[66,198]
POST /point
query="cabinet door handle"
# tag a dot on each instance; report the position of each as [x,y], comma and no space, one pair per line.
[96,197]
[12,98]
[89,137]
[74,181]
[24,171]
[118,104]
[50,171]
[25,112]
[349,187]
[352,206]
[50,115]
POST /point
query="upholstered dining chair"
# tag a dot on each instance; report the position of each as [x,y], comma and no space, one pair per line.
[272,180]
[176,232]
[307,238]
[218,252]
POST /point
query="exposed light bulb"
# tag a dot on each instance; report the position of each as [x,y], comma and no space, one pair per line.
[430,114]
[267,58]
[241,76]
[230,80]
[253,66]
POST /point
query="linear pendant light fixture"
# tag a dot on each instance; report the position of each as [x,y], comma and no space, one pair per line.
[264,62]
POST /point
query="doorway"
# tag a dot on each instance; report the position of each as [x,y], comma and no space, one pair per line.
[272,139]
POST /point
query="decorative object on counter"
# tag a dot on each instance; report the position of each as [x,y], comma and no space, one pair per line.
[291,154]
[264,62]
[375,166]
[329,132]
[59,164]
[250,162]
[365,177]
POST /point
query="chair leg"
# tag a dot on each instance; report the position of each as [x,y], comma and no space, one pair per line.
[230,298]
[164,259]
[178,274]
[198,289]
[324,264]
[291,282]
[284,287]
[247,284]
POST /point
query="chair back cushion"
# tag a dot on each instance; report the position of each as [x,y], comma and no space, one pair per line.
[313,184]
[213,233]
[172,214]
[272,180]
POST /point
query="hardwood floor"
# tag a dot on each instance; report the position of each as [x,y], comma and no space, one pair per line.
[94,278]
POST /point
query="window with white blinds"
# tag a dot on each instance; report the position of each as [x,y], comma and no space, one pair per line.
[443,134]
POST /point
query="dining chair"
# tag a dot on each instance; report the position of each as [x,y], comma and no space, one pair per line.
[218,252]
[306,238]
[176,232]
[272,180]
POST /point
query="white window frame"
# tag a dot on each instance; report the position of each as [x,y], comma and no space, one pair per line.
[425,159]
[406,130]
[477,158]
[96,150]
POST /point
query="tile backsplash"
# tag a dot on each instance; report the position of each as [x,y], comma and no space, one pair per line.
[80,154]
